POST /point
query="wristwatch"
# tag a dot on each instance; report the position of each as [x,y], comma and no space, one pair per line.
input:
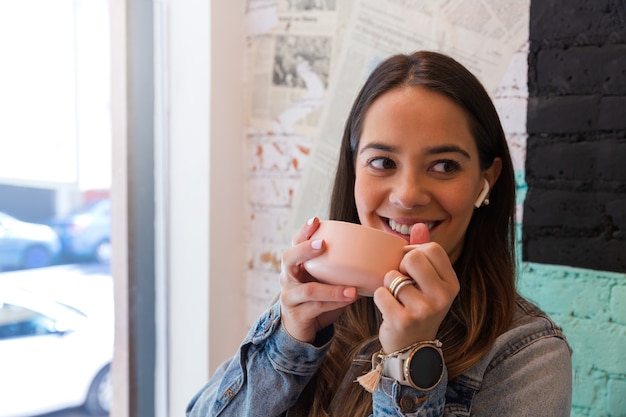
[421,367]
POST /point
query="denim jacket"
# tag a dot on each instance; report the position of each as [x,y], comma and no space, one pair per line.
[527,372]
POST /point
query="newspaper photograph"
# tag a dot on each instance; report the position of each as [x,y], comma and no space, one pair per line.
[290,66]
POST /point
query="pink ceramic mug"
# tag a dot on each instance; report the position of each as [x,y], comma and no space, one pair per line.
[355,255]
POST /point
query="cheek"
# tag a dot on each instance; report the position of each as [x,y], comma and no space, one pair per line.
[460,208]
[459,204]
[365,195]
[360,196]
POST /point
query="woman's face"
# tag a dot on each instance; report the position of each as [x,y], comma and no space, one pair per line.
[417,162]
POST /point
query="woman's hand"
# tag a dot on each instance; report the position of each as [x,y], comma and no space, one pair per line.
[308,306]
[417,312]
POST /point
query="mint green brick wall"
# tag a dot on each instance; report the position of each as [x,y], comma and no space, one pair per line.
[590,306]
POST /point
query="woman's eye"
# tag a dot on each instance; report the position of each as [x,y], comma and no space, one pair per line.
[382,163]
[446,166]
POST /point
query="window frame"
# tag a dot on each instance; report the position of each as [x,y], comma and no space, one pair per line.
[171,243]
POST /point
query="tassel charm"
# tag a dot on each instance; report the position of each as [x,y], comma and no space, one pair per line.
[370,380]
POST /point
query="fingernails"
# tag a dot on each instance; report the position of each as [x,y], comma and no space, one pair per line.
[316,244]
[311,220]
[349,292]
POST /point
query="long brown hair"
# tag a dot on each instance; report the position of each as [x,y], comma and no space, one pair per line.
[486,268]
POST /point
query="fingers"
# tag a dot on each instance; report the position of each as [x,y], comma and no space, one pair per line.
[421,303]
[419,234]
[292,270]
[410,317]
[394,299]
[305,231]
[302,249]
[308,306]
[430,267]
[317,298]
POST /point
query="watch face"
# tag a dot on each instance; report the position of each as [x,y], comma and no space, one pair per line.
[425,367]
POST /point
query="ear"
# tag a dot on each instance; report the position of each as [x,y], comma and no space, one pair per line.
[491,175]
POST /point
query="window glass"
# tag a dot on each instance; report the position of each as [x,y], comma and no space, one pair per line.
[56,289]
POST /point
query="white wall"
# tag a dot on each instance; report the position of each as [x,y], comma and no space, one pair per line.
[201,98]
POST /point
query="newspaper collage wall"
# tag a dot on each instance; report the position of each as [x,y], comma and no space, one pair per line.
[306,60]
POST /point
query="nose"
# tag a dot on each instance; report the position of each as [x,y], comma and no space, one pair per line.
[408,192]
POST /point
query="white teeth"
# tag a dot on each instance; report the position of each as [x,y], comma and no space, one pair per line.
[400,228]
[406,229]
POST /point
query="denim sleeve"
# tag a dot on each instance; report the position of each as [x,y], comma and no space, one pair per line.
[533,381]
[266,375]
[393,399]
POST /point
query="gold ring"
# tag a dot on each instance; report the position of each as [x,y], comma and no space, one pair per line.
[397,289]
[397,281]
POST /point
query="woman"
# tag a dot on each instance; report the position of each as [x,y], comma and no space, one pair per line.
[423,156]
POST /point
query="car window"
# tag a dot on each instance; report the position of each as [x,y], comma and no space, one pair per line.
[17,321]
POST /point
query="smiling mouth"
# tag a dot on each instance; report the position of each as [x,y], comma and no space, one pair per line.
[405,229]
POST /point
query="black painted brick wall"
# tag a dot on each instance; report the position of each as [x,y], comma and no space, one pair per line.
[575,209]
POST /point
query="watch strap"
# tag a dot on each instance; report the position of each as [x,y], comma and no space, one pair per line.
[394,368]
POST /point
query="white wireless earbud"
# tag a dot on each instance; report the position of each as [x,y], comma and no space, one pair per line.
[481,198]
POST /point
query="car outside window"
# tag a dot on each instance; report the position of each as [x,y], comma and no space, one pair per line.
[17,321]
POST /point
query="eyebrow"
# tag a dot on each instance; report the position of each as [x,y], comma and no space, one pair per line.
[430,151]
[448,149]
